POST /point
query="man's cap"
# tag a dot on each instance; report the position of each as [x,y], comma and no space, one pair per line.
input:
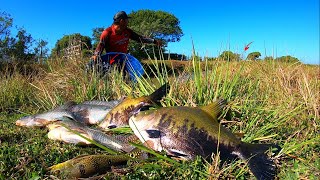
[120,15]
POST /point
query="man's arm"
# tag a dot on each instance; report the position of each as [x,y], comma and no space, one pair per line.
[142,39]
[101,45]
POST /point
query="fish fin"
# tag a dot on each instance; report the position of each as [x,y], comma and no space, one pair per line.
[214,108]
[65,106]
[259,163]
[158,94]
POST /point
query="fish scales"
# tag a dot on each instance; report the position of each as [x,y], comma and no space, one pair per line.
[87,165]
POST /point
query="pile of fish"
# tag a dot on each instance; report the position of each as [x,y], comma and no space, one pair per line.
[182,132]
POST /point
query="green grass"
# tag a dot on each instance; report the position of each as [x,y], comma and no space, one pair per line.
[269,102]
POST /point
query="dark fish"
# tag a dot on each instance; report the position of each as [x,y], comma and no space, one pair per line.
[87,165]
[119,115]
[186,132]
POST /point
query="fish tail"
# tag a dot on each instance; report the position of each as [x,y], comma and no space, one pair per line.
[157,95]
[259,163]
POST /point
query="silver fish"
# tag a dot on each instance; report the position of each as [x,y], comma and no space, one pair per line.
[62,131]
[110,104]
[89,112]
[41,120]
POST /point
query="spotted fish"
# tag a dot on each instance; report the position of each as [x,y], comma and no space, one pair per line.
[87,166]
[186,132]
[119,115]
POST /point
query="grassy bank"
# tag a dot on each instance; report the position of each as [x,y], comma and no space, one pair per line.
[269,102]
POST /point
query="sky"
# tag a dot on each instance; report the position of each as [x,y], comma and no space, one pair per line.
[276,27]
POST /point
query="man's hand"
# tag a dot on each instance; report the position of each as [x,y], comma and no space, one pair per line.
[94,58]
[158,42]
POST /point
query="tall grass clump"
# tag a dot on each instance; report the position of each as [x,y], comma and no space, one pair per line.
[15,92]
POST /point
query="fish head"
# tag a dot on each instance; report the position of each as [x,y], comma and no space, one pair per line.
[144,125]
[119,115]
[156,131]
[31,121]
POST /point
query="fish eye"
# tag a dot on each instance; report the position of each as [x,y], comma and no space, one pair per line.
[112,126]
[154,133]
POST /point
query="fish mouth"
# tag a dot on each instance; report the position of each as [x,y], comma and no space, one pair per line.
[142,106]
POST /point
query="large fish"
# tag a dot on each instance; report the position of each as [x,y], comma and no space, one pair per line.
[87,165]
[64,131]
[186,132]
[119,115]
[89,112]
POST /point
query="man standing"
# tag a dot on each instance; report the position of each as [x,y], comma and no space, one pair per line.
[115,39]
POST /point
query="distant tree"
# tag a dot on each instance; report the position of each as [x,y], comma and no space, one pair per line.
[96,35]
[5,40]
[5,25]
[288,59]
[155,24]
[66,40]
[268,58]
[210,58]
[41,50]
[254,56]
[20,49]
[229,56]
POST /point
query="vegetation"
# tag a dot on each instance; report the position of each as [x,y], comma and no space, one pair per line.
[22,47]
[229,56]
[72,40]
[154,24]
[254,56]
[288,59]
[270,102]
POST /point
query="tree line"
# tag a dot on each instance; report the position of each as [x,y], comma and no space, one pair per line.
[155,24]
[253,56]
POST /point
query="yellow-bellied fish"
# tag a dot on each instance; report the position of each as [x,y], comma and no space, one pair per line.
[119,115]
[87,165]
[186,132]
